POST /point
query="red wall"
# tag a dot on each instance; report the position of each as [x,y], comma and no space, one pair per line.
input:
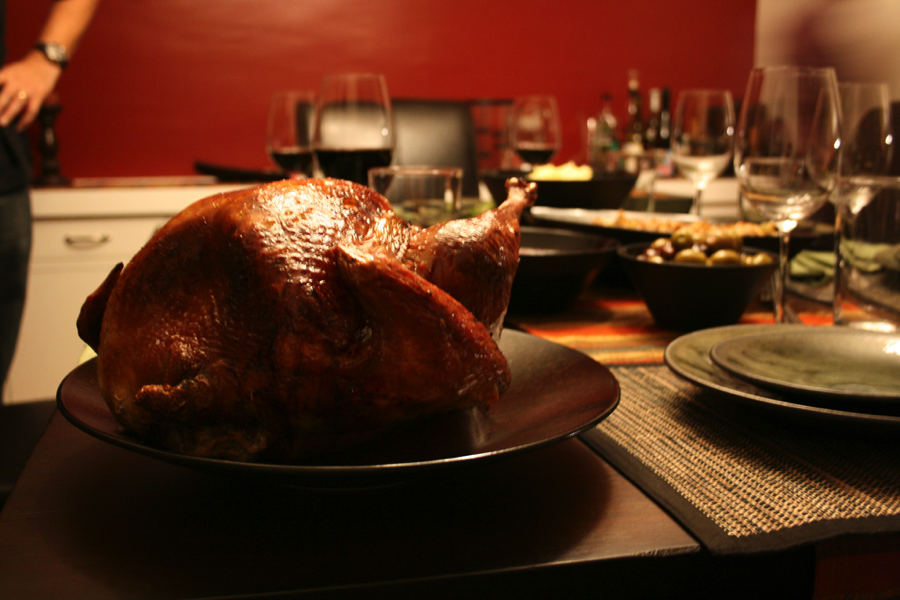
[157,84]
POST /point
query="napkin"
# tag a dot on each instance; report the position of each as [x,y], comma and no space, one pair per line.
[813,266]
[818,265]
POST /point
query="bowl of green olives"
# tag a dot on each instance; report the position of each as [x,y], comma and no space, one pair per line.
[691,283]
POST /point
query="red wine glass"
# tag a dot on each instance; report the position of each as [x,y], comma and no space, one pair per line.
[535,131]
[354,128]
[289,133]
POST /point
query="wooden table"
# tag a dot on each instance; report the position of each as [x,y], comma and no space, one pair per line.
[90,520]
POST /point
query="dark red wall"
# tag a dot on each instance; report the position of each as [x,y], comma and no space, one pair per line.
[157,84]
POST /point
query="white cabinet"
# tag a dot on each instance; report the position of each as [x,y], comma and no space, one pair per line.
[79,235]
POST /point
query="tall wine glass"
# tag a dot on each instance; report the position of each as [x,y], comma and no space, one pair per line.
[866,145]
[289,132]
[703,137]
[354,128]
[535,130]
[787,150]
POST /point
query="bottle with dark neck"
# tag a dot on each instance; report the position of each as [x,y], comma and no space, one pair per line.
[634,125]
[604,138]
[664,138]
[651,131]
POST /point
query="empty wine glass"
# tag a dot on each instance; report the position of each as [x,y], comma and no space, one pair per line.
[866,147]
[787,150]
[535,131]
[354,129]
[867,143]
[703,137]
[289,132]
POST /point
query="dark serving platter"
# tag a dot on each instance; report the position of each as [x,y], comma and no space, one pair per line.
[808,236]
[556,393]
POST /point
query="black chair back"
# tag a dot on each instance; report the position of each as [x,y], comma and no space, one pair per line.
[437,133]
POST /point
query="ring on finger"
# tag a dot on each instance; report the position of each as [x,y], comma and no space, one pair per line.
[22,95]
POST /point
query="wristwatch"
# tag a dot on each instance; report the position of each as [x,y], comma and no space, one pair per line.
[55,53]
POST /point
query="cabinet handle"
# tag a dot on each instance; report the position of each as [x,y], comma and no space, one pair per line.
[87,240]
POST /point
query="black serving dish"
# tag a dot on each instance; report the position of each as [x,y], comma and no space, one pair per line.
[555,266]
[606,190]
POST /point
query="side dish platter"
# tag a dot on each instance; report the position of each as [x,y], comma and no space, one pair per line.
[629,227]
[556,393]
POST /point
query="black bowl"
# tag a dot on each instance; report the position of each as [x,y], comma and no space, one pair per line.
[605,190]
[687,297]
[555,266]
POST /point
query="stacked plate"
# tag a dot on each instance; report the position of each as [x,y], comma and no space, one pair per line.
[828,372]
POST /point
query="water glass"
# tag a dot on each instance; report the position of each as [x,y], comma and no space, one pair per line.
[421,195]
[867,270]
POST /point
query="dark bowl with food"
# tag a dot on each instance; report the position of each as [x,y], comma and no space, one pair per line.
[605,190]
[555,266]
[686,296]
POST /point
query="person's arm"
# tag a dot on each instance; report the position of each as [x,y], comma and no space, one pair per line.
[25,84]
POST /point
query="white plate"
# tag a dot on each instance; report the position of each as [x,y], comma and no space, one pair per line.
[834,362]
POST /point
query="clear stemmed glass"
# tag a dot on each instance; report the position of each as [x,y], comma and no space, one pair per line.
[866,147]
[787,150]
[535,131]
[703,137]
[289,132]
[866,143]
[354,128]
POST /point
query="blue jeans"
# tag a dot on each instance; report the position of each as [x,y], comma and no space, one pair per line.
[15,250]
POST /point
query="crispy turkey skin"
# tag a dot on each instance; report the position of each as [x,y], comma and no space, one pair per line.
[301,317]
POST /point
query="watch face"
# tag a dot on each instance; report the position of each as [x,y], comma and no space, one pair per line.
[55,52]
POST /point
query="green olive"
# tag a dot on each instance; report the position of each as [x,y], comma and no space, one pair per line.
[690,255]
[659,243]
[656,259]
[723,240]
[760,258]
[682,238]
[725,257]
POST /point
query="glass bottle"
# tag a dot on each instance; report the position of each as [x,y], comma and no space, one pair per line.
[634,126]
[605,138]
[651,132]
[664,139]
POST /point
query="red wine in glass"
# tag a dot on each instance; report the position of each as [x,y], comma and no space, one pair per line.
[535,128]
[352,165]
[293,160]
[354,126]
[535,154]
[289,132]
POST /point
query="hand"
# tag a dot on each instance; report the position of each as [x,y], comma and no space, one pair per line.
[24,85]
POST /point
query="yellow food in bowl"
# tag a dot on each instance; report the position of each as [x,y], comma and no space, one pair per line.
[566,172]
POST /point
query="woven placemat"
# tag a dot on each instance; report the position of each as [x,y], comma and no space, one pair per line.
[743,480]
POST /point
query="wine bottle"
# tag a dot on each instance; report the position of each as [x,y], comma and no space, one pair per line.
[634,127]
[605,137]
[664,138]
[651,132]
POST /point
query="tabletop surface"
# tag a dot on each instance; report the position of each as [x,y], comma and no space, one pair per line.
[91,520]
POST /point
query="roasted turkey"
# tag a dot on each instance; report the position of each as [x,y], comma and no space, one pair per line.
[302,317]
